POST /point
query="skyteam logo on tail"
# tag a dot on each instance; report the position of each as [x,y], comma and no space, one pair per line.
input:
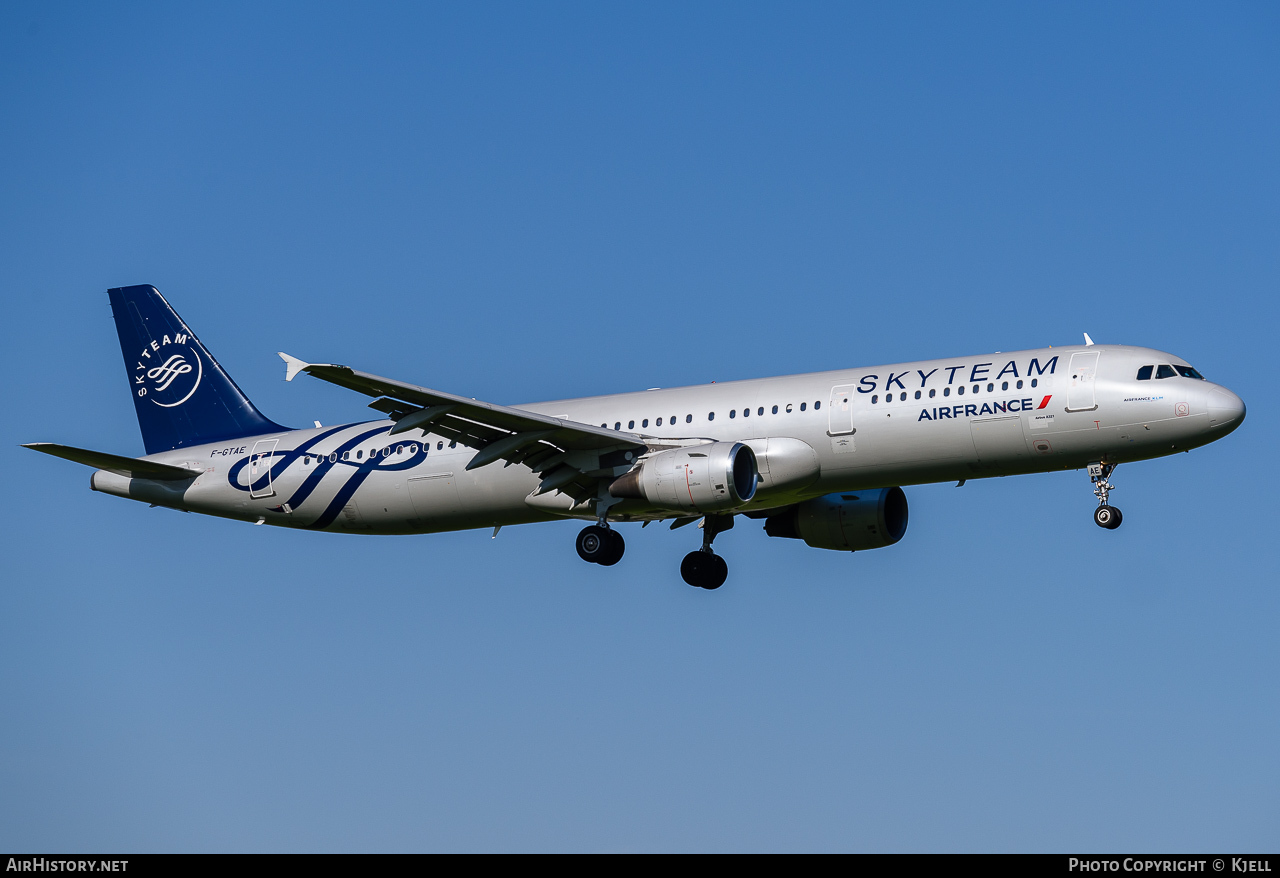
[168,371]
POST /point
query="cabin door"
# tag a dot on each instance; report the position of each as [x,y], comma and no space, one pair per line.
[260,461]
[1084,367]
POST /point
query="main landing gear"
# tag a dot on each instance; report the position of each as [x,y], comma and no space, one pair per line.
[600,545]
[704,568]
[1105,515]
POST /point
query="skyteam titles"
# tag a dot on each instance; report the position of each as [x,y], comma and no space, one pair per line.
[977,372]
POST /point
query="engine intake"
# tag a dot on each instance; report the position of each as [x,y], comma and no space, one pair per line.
[848,521]
[702,478]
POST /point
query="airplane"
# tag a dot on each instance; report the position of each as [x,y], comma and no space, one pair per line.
[818,457]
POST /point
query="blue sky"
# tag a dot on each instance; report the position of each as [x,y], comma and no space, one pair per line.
[522,202]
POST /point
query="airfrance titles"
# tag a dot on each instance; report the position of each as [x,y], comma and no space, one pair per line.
[976,411]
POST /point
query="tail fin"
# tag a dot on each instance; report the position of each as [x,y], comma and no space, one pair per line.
[182,396]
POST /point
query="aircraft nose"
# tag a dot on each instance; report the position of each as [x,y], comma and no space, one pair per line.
[1225,408]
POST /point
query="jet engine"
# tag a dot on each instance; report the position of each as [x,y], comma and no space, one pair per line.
[847,521]
[702,478]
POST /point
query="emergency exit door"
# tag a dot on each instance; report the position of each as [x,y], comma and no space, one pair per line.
[840,412]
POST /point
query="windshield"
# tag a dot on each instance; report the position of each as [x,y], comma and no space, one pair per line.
[1188,372]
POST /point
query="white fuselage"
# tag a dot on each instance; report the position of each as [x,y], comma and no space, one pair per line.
[902,424]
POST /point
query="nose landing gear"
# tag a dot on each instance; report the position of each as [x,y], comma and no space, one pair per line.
[704,568]
[600,545]
[1105,515]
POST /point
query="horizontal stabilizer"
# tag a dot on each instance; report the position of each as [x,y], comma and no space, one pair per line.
[129,467]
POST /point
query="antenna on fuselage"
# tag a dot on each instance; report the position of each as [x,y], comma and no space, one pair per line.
[1088,342]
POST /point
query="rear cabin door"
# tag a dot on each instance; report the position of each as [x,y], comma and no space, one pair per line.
[841,410]
[260,468]
[1084,367]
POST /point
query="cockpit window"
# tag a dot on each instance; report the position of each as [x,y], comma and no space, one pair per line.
[1144,373]
[1163,371]
[1188,372]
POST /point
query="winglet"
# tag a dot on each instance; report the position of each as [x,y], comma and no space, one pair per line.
[292,365]
[1088,342]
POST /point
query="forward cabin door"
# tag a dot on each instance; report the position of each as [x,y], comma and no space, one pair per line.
[840,410]
[1084,368]
[260,468]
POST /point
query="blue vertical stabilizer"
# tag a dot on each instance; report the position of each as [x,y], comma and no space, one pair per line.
[183,397]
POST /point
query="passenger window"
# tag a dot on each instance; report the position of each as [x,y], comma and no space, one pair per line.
[1019,384]
[746,413]
[902,397]
[1035,381]
[659,422]
[761,411]
[1004,385]
[733,413]
[960,390]
[1144,373]
[711,416]
[1188,372]
[644,423]
[360,455]
[976,388]
[932,393]
[454,443]
[672,420]
[688,419]
[1163,371]
[817,405]
[631,425]
[439,445]
[803,406]
[917,394]
[991,387]
[875,398]
[775,409]
[788,408]
[946,391]
[617,425]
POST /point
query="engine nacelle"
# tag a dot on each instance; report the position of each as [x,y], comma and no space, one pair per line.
[701,478]
[848,521]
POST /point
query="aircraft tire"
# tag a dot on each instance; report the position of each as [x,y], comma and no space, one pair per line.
[1108,517]
[704,570]
[615,545]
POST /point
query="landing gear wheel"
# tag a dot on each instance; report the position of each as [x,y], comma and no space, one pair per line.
[704,570]
[599,545]
[592,544]
[614,547]
[1108,517]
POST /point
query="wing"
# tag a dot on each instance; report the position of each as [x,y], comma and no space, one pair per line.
[571,457]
